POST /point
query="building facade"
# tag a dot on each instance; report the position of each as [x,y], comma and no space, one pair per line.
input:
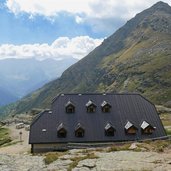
[95,118]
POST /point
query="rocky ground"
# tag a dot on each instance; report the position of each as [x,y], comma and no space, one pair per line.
[132,157]
[104,161]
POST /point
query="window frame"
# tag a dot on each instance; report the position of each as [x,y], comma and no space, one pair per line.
[79,133]
[70,109]
[64,132]
[91,109]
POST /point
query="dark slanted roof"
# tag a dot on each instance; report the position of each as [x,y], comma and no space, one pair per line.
[90,103]
[104,103]
[61,126]
[69,103]
[145,125]
[79,126]
[108,126]
[129,125]
[125,107]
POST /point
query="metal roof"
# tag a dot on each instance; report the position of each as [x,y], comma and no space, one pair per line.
[79,126]
[104,103]
[145,124]
[108,126]
[90,103]
[128,125]
[61,126]
[125,107]
[69,103]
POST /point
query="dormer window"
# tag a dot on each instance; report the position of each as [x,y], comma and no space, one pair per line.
[109,130]
[105,107]
[70,108]
[130,128]
[61,131]
[146,128]
[91,107]
[79,131]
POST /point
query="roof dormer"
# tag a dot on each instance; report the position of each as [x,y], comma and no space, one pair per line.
[91,107]
[105,107]
[69,107]
[109,130]
[130,128]
[61,131]
[79,130]
[147,128]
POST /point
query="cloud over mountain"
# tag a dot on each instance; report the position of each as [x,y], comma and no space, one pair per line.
[62,47]
[90,8]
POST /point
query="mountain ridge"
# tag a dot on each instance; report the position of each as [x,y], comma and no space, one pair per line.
[136,58]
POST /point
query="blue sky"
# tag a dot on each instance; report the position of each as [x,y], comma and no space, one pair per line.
[57,26]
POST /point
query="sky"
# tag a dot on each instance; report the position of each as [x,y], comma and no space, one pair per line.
[61,28]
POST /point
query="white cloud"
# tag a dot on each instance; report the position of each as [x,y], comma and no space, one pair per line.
[62,47]
[95,13]
[91,8]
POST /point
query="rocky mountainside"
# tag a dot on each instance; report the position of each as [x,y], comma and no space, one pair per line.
[136,58]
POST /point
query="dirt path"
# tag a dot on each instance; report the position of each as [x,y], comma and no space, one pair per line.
[19,147]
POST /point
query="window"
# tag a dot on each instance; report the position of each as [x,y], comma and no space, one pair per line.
[61,131]
[79,133]
[79,130]
[130,128]
[70,108]
[105,107]
[91,107]
[146,128]
[109,130]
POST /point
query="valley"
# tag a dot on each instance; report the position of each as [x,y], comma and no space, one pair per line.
[135,59]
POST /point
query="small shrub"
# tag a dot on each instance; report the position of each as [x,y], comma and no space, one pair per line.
[4,136]
[51,157]
[168,131]
[122,147]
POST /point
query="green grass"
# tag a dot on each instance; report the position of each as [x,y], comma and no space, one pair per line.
[166,119]
[168,131]
[76,160]
[52,156]
[120,147]
[4,136]
[155,146]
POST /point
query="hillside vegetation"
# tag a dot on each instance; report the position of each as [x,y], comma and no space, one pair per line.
[136,58]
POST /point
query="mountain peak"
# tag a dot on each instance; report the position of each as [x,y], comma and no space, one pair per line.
[133,59]
[160,3]
[161,6]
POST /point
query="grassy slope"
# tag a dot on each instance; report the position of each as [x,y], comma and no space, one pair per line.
[146,69]
[4,136]
[137,58]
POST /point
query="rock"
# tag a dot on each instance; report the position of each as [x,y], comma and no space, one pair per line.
[88,163]
[133,146]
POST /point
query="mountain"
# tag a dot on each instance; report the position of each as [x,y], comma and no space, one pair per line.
[6,97]
[136,58]
[19,77]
